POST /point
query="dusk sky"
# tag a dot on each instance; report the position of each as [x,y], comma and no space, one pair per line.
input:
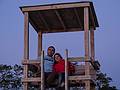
[107,35]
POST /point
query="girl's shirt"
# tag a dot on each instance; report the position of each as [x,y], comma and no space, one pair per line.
[59,67]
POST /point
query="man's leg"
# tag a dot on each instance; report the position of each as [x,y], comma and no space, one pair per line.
[51,78]
[46,79]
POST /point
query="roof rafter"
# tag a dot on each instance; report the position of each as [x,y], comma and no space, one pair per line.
[44,21]
[78,18]
[60,19]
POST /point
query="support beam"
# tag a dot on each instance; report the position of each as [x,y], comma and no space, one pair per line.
[24,62]
[26,35]
[60,6]
[66,69]
[80,77]
[39,43]
[42,71]
[78,59]
[61,30]
[92,44]
[32,22]
[26,46]
[87,85]
[92,51]
[32,79]
[86,38]
[60,19]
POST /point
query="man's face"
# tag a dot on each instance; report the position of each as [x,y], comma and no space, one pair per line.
[50,52]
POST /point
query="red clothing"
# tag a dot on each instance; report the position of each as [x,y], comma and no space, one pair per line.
[59,67]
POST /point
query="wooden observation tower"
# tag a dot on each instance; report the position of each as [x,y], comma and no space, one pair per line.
[55,18]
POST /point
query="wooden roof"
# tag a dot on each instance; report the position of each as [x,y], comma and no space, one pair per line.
[62,17]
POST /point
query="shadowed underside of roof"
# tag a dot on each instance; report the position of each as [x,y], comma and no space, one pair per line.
[63,17]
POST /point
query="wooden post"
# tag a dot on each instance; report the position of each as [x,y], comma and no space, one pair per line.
[92,51]
[42,70]
[86,38]
[26,47]
[39,43]
[66,69]
[92,44]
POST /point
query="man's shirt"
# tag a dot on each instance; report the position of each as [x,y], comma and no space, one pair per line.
[48,64]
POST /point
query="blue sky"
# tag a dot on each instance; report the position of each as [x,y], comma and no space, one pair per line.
[107,43]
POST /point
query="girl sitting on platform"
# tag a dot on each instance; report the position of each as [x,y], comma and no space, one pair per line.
[59,68]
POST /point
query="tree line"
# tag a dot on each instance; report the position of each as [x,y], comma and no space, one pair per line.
[11,75]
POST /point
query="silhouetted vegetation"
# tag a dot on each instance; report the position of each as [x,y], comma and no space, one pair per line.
[104,82]
[10,77]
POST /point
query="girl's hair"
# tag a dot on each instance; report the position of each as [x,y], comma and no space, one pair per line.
[58,55]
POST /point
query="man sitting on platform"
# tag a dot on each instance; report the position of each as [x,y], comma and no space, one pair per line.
[48,65]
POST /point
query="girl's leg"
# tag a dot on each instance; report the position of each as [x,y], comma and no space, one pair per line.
[61,79]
